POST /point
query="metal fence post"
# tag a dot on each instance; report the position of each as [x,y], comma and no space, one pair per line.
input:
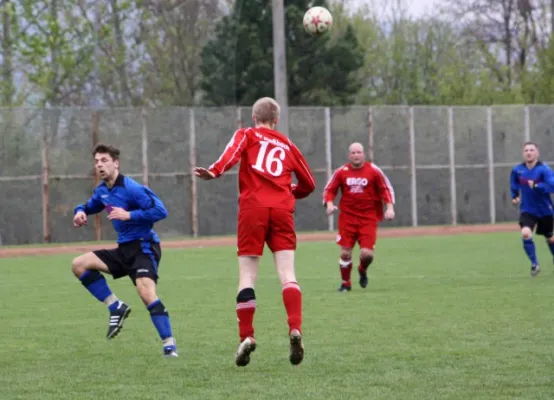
[526,126]
[46,226]
[370,153]
[328,159]
[452,161]
[239,118]
[411,132]
[490,159]
[192,161]
[145,168]
[96,179]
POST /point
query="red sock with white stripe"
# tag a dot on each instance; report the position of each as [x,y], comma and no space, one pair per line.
[246,307]
[292,298]
[345,265]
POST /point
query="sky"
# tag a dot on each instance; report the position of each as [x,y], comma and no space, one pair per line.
[418,7]
[415,7]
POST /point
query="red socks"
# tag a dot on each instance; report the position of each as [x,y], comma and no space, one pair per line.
[292,298]
[246,307]
[345,270]
[364,264]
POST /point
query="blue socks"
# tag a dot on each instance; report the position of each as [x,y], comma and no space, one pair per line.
[529,247]
[160,319]
[96,284]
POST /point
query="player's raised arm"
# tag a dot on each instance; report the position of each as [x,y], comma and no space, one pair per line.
[228,159]
[306,180]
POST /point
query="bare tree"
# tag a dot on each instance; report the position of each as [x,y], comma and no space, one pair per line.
[506,31]
[174,33]
[8,88]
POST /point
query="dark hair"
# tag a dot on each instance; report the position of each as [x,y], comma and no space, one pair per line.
[106,149]
[531,143]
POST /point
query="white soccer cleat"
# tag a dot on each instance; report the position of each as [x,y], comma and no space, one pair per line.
[247,346]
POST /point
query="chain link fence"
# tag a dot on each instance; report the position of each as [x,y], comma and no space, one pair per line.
[447,165]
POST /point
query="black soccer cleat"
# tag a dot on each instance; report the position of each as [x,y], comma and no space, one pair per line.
[116,319]
[344,288]
[170,352]
[363,279]
[296,347]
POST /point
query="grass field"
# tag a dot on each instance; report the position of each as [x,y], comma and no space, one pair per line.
[450,317]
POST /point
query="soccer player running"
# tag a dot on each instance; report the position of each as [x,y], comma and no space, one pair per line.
[266,215]
[133,210]
[531,183]
[364,188]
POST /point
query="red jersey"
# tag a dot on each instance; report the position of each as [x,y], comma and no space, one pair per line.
[363,190]
[267,160]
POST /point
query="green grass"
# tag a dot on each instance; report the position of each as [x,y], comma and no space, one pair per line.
[451,317]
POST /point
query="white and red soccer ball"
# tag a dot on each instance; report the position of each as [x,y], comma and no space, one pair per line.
[317,20]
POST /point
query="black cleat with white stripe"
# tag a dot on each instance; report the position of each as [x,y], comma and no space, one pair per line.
[116,319]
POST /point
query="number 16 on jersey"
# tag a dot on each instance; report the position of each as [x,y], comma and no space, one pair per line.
[270,161]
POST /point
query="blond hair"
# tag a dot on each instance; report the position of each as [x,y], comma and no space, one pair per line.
[265,110]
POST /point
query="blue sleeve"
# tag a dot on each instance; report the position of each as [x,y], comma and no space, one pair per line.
[514,184]
[151,208]
[93,206]
[547,184]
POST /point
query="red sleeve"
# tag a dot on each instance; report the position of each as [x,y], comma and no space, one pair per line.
[332,187]
[383,185]
[306,180]
[232,153]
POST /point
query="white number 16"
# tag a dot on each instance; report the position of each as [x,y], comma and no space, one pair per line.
[273,161]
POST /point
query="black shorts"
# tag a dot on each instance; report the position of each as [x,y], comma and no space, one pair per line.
[545,225]
[137,259]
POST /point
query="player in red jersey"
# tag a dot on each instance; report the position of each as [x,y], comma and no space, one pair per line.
[364,188]
[266,215]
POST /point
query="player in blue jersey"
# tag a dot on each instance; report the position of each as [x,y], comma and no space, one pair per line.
[531,183]
[133,210]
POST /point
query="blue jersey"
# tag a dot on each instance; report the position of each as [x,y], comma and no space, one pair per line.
[145,207]
[534,200]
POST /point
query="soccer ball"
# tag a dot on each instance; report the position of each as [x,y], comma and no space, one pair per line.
[317,20]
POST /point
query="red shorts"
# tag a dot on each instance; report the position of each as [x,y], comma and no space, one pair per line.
[352,230]
[257,226]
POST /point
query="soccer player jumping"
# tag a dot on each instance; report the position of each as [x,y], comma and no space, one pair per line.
[133,210]
[364,188]
[266,215]
[531,183]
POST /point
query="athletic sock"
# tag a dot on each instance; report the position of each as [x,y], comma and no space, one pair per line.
[160,319]
[529,246]
[246,307]
[292,298]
